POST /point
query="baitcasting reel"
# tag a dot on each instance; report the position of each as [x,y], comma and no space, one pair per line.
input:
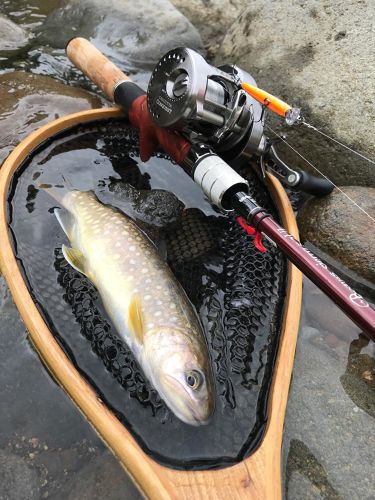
[207,104]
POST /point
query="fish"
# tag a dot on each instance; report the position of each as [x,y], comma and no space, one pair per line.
[147,305]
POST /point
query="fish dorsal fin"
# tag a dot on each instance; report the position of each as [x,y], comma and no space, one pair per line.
[66,221]
[75,258]
[136,323]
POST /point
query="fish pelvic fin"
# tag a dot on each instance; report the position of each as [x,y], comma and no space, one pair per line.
[136,323]
[75,258]
[66,221]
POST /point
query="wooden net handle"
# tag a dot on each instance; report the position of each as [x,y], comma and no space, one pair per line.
[94,65]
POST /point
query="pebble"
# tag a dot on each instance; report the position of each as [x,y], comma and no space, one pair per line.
[34,442]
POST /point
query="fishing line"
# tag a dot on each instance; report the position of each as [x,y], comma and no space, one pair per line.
[308,125]
[321,173]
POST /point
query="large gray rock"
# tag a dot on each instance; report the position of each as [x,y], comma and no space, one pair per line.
[318,55]
[133,34]
[94,479]
[329,428]
[341,229]
[211,17]
[17,480]
[12,36]
[29,101]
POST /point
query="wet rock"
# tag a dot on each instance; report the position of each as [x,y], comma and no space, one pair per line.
[34,412]
[133,34]
[306,477]
[340,229]
[29,101]
[359,377]
[95,477]
[12,37]
[29,13]
[325,317]
[316,55]
[156,207]
[159,207]
[17,480]
[31,403]
[212,18]
[328,439]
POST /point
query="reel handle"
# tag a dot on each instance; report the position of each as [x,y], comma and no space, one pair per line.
[317,186]
[95,65]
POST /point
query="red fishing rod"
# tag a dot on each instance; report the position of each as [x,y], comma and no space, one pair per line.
[211,107]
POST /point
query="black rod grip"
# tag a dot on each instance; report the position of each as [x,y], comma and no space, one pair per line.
[125,93]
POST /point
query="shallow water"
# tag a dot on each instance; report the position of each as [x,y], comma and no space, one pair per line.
[329,428]
[39,57]
[329,437]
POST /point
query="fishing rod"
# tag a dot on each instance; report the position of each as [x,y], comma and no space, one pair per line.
[203,117]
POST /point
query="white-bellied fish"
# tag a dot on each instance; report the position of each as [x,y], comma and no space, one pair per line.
[145,302]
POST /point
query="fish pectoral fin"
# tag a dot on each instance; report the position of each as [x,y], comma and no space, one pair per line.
[136,322]
[66,221]
[75,258]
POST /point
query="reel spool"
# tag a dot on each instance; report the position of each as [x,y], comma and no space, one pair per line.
[206,104]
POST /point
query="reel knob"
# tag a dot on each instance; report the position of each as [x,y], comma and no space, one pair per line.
[180,85]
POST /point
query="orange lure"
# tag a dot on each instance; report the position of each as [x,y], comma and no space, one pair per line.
[271,102]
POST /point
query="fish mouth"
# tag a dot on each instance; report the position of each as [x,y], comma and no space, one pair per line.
[187,411]
[197,419]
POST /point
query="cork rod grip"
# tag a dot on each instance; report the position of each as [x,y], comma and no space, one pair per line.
[94,65]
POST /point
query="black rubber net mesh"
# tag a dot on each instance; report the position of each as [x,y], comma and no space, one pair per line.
[237,291]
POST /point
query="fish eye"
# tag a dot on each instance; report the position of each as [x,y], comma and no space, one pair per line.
[194,379]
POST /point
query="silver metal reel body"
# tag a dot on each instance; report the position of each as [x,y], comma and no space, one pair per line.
[206,104]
